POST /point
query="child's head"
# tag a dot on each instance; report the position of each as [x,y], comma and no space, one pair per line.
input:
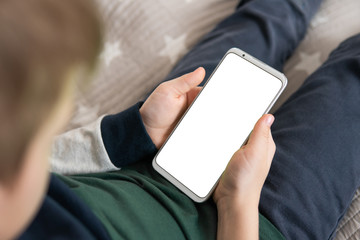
[45,45]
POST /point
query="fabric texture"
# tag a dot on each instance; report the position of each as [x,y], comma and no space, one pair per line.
[317,139]
[64,216]
[137,203]
[267,230]
[80,151]
[125,137]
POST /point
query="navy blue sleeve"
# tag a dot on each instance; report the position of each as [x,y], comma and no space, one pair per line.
[125,138]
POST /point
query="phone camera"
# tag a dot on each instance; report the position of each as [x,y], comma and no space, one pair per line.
[243,55]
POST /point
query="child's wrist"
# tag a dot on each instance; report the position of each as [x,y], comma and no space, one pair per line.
[237,220]
[233,204]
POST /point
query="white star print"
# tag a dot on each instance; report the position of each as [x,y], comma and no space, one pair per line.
[110,52]
[318,20]
[175,47]
[309,62]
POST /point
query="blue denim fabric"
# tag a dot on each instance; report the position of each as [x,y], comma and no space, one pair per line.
[316,168]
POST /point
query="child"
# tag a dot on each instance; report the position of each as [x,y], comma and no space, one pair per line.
[48,46]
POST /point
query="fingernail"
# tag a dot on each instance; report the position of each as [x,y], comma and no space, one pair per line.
[269,120]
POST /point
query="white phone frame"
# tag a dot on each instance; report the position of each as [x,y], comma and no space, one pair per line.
[252,60]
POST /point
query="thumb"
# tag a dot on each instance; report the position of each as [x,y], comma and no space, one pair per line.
[261,134]
[186,82]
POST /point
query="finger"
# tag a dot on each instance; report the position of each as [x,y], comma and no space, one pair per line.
[185,83]
[261,134]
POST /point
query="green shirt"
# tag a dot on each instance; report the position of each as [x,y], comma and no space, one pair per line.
[137,203]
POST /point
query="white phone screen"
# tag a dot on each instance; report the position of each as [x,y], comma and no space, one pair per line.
[218,123]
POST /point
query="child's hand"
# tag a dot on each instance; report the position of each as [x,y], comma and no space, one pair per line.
[238,192]
[165,106]
[244,177]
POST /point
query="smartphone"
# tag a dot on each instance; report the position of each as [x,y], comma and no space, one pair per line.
[239,91]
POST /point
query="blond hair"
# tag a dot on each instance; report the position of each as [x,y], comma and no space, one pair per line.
[40,41]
